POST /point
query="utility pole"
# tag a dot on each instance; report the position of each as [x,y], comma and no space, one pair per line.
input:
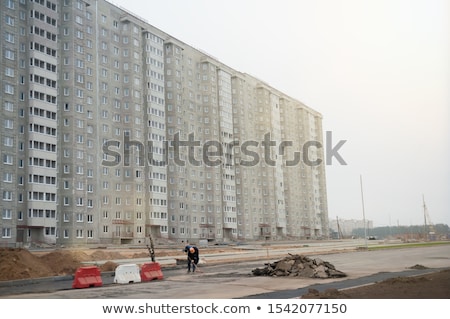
[425,228]
[364,213]
[340,234]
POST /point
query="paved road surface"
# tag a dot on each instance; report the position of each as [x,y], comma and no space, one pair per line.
[227,280]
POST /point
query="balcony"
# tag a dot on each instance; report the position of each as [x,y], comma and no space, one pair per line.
[207,225]
[121,222]
[281,224]
[229,225]
[40,222]
[156,222]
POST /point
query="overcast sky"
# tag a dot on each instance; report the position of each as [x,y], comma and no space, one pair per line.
[378,71]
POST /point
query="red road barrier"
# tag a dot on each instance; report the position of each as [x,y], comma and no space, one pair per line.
[151,271]
[86,277]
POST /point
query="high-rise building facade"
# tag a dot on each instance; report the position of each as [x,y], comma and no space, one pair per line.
[114,130]
[29,114]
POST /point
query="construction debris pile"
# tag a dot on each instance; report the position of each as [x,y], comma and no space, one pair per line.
[300,266]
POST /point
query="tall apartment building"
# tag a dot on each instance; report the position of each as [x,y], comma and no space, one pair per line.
[280,195]
[29,114]
[304,176]
[114,130]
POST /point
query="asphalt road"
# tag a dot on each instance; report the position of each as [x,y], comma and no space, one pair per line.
[233,278]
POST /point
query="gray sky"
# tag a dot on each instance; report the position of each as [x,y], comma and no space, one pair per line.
[378,71]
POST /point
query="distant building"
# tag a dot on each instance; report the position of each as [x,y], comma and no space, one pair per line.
[106,121]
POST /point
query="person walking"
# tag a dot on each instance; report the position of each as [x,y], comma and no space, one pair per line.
[192,257]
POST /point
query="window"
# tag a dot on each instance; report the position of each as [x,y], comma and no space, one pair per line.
[9,72]
[50,231]
[7,214]
[6,232]
[9,20]
[9,89]
[7,195]
[9,54]
[8,141]
[9,37]
[79,20]
[9,106]
[79,78]
[79,34]
[8,123]
[8,159]
[79,5]
[10,4]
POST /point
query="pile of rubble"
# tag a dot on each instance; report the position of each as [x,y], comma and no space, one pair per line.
[300,266]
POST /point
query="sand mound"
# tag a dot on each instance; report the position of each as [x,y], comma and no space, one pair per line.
[141,255]
[18,263]
[62,262]
[21,264]
[104,255]
[108,266]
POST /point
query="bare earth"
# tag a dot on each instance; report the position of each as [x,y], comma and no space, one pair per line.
[432,286]
[22,264]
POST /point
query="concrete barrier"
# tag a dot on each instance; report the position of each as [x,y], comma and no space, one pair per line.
[86,277]
[126,274]
[151,271]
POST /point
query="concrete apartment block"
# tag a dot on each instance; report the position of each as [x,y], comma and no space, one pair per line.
[114,130]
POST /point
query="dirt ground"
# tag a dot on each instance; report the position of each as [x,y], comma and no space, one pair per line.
[432,286]
[22,264]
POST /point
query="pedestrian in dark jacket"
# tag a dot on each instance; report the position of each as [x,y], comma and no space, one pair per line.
[192,257]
